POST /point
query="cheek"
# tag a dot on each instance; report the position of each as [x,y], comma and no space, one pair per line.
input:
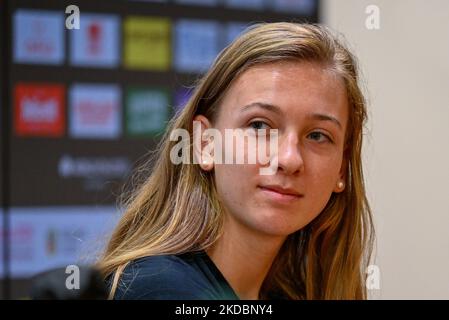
[322,179]
[233,183]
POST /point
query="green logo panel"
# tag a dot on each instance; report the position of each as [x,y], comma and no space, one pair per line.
[147,111]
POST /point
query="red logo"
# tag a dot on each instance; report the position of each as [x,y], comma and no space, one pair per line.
[39,110]
[94,38]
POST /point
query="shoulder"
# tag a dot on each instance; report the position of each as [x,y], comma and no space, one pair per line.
[166,277]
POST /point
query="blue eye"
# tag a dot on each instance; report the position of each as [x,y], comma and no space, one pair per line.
[258,125]
[319,136]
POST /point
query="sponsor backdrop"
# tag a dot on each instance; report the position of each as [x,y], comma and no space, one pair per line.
[87,104]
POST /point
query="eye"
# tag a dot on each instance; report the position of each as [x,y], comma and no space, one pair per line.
[319,137]
[259,125]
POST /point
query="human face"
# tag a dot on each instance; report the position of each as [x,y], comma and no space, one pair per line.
[308,105]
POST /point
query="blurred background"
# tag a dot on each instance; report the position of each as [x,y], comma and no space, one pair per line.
[82,107]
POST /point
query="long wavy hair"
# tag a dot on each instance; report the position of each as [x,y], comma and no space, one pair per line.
[176,209]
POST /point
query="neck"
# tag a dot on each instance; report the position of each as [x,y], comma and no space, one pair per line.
[244,257]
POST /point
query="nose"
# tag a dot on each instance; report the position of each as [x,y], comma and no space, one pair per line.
[290,160]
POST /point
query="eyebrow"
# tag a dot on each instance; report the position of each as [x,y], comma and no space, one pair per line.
[325,117]
[263,105]
[277,110]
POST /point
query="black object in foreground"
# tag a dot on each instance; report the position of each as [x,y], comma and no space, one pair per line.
[71,283]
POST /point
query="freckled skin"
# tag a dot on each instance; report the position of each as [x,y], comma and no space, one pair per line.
[311,165]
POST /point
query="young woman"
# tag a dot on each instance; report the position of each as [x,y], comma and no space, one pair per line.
[212,230]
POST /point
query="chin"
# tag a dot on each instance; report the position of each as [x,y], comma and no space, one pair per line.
[279,224]
[277,228]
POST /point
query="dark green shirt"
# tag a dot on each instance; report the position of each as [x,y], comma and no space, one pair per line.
[188,276]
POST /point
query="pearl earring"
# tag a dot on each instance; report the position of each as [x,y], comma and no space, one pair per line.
[207,160]
[340,185]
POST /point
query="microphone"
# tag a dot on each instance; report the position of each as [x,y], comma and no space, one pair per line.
[70,283]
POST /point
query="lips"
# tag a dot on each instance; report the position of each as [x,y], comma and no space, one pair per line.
[282,191]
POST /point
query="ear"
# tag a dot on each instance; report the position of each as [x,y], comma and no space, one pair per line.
[200,140]
[340,184]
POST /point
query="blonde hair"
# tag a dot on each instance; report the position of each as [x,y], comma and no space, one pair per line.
[176,209]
